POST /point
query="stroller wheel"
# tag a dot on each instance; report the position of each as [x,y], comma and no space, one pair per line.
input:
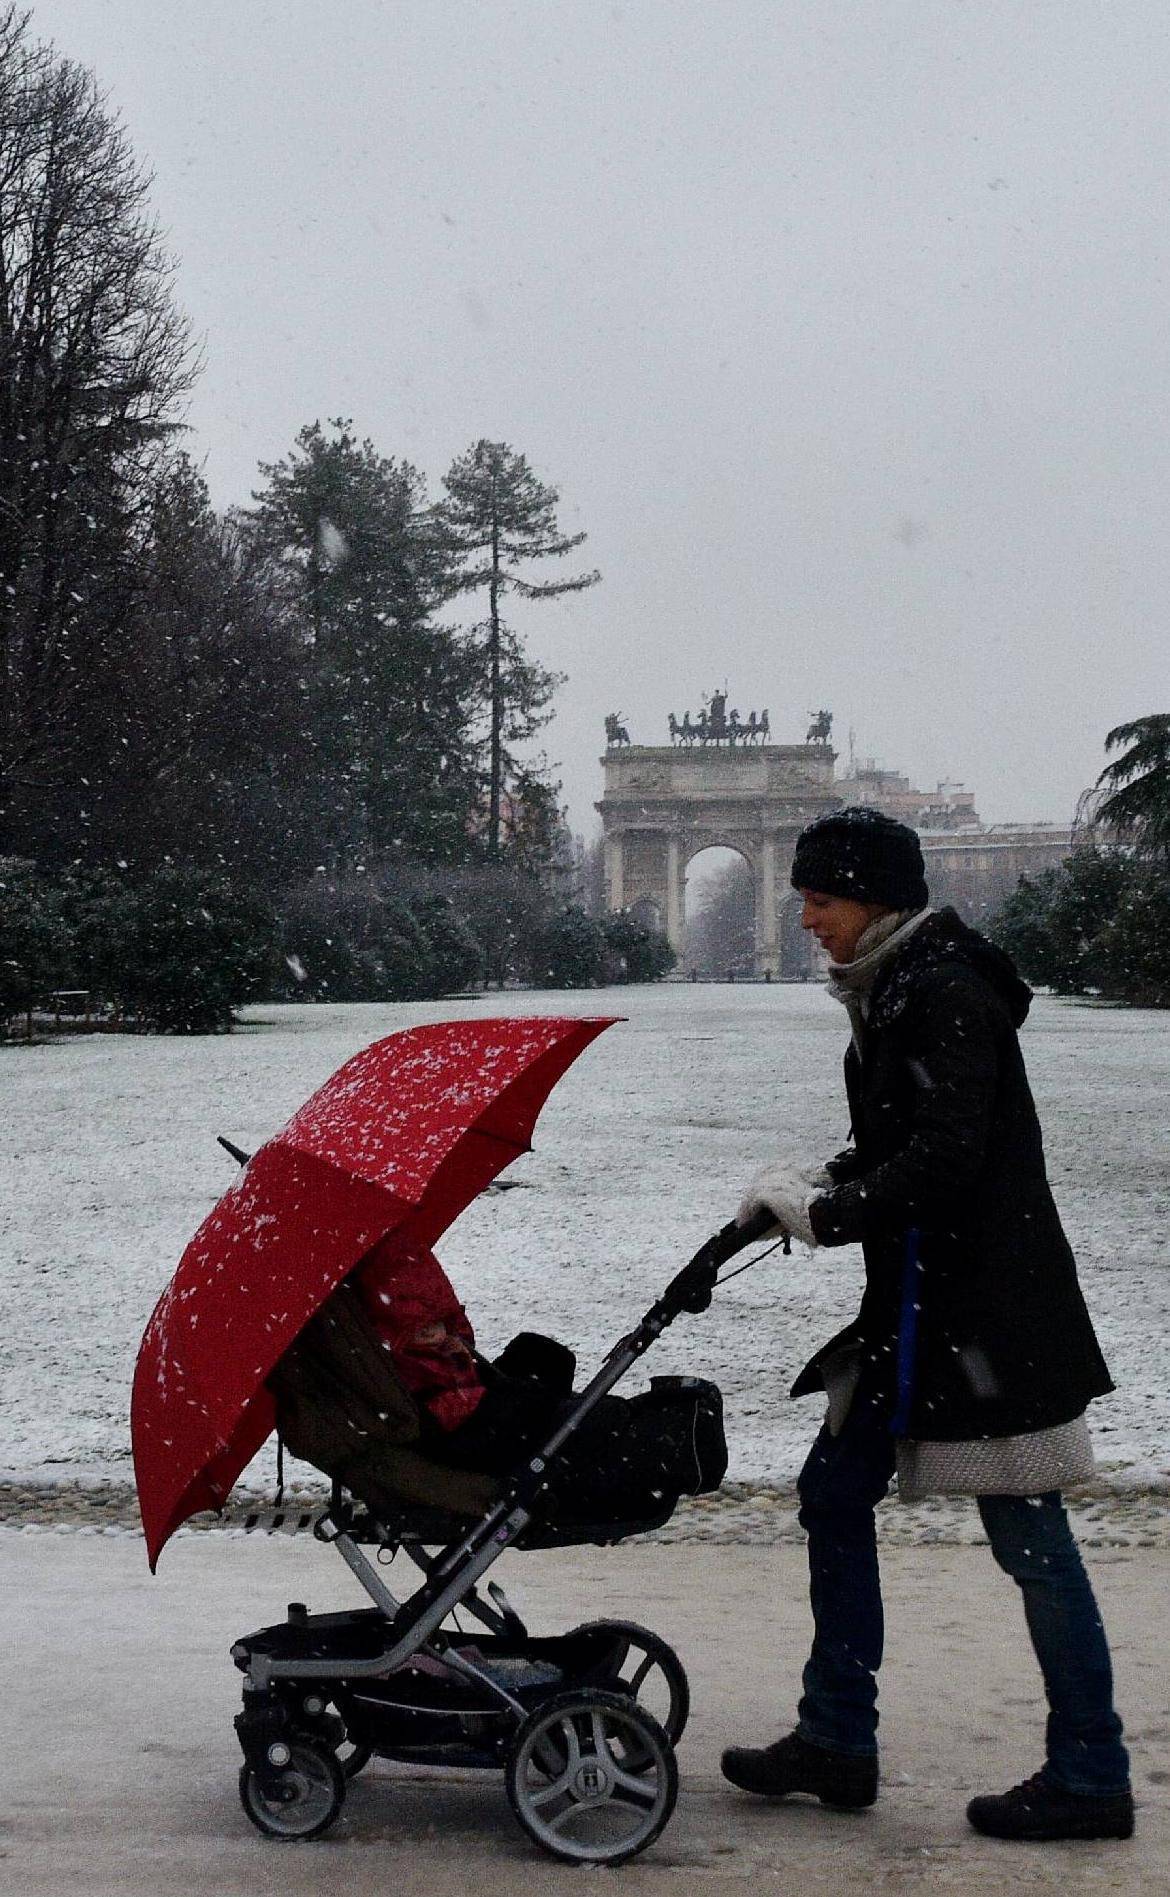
[315,1790]
[649,1670]
[323,1727]
[592,1777]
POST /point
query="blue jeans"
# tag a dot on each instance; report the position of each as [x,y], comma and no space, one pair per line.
[840,1485]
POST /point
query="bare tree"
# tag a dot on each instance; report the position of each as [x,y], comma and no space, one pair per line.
[94,362]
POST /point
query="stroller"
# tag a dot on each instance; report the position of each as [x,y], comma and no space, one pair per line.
[583,1724]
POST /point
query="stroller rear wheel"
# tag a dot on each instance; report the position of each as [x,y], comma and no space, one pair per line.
[312,1789]
[650,1671]
[592,1777]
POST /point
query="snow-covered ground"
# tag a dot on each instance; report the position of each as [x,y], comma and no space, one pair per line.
[108,1162]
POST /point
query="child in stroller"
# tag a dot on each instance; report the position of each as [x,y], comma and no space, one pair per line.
[475,1419]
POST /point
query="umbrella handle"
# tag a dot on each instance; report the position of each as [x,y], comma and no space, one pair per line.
[237,1152]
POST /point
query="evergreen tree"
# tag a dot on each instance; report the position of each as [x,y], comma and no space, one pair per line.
[1056,926]
[390,766]
[1136,803]
[94,361]
[201,707]
[178,951]
[566,949]
[634,952]
[35,940]
[1136,941]
[1098,924]
[500,519]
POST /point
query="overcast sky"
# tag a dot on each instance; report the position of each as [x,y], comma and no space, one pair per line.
[841,327]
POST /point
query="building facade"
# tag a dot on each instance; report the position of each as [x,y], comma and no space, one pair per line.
[663,804]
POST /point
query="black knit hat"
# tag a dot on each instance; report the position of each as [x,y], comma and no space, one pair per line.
[861,853]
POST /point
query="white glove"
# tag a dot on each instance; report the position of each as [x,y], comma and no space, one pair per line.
[787,1190]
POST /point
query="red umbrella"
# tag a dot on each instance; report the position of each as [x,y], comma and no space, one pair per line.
[404,1135]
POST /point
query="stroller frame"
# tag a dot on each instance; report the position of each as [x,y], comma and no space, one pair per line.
[590,1747]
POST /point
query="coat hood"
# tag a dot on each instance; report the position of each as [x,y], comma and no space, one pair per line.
[946,941]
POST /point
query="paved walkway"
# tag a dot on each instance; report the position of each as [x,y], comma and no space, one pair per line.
[120,1760]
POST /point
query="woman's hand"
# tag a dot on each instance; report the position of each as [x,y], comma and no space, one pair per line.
[787,1189]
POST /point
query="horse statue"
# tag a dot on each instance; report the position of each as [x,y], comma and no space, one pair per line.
[821,727]
[763,728]
[615,730]
[675,729]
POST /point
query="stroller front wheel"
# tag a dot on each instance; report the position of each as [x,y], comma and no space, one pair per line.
[312,1791]
[592,1777]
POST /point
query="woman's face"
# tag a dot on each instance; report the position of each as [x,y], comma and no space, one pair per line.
[838,921]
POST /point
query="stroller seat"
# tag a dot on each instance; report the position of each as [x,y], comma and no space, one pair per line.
[341,1407]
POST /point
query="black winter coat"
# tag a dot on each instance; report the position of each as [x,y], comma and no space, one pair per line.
[972,1320]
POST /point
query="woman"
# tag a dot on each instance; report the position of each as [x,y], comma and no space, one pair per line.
[972,1359]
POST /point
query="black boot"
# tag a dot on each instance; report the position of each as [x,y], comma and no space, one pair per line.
[793,1765]
[1039,1810]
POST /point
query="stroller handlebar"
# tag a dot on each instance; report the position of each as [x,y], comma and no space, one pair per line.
[691,1288]
[733,1238]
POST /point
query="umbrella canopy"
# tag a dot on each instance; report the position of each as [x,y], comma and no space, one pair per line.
[402,1137]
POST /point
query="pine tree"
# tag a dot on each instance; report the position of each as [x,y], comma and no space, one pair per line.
[201,706]
[500,518]
[390,765]
[1137,803]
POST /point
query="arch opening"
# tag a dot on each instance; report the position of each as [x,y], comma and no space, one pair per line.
[719,905]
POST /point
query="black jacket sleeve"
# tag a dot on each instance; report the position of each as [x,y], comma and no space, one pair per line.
[843,1165]
[950,1032]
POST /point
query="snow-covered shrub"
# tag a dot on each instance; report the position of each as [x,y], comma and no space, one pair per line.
[177,952]
[566,950]
[365,938]
[455,957]
[635,952]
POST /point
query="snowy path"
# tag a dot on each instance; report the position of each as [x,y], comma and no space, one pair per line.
[108,1163]
[123,1783]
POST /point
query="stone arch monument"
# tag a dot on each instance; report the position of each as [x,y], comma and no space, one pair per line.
[665,803]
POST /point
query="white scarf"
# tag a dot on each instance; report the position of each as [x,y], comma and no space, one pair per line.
[851,983]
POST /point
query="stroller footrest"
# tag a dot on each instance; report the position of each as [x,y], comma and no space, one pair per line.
[278,1521]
